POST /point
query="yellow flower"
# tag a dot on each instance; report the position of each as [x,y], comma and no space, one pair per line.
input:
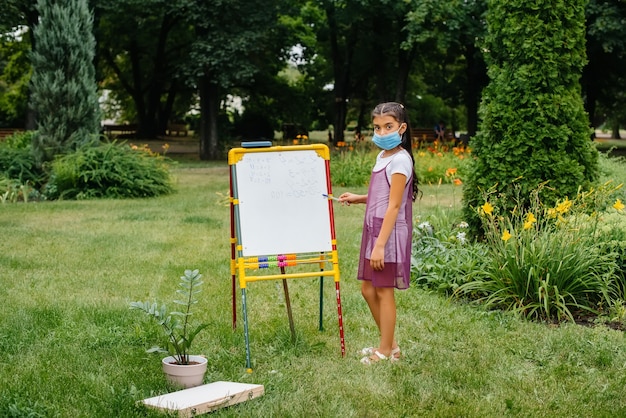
[506,235]
[564,206]
[487,208]
[552,213]
[530,220]
[618,205]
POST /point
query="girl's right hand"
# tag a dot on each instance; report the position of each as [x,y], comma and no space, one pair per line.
[350,198]
[346,198]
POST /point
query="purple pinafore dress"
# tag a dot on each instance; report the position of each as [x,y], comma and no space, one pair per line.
[397,271]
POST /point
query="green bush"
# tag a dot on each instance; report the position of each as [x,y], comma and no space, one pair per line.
[352,168]
[547,263]
[19,174]
[443,258]
[19,164]
[437,164]
[533,124]
[109,171]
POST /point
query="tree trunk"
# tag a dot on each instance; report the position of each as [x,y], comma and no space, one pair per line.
[209,107]
[342,62]
[615,130]
[476,79]
[405,59]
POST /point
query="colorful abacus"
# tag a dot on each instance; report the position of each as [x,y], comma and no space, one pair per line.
[263,262]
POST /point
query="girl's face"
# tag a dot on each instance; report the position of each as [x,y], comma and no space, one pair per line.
[385,124]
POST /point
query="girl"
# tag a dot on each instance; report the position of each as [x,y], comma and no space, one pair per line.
[385,259]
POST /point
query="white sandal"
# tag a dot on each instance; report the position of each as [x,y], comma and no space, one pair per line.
[374,358]
[395,353]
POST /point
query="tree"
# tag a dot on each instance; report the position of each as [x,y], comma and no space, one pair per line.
[449,35]
[534,128]
[64,91]
[15,14]
[603,82]
[14,79]
[141,46]
[224,56]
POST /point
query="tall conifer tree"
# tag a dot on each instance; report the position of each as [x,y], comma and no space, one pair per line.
[64,91]
[533,125]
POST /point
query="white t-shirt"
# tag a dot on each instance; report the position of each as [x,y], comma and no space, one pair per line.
[401,162]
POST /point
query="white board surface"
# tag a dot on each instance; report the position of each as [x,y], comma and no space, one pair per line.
[282,208]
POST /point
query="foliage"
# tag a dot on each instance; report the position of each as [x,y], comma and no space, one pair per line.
[17,162]
[12,191]
[64,90]
[534,126]
[142,45]
[14,78]
[547,262]
[434,164]
[179,332]
[603,82]
[437,163]
[443,257]
[352,168]
[109,171]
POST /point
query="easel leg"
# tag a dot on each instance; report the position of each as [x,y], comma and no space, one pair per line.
[245,329]
[292,328]
[340,316]
[321,328]
[234,301]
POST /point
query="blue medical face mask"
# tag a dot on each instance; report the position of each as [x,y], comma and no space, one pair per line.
[389,141]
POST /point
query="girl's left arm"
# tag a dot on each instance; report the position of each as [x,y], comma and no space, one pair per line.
[398,182]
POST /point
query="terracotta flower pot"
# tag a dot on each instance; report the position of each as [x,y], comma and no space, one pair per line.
[187,376]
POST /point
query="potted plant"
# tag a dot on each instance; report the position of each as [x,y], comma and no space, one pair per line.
[180,367]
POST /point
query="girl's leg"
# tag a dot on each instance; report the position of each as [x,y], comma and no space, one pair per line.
[369,294]
[381,302]
[387,319]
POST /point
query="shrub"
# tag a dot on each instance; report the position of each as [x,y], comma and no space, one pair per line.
[443,258]
[109,170]
[20,176]
[533,125]
[352,168]
[439,164]
[16,159]
[544,262]
[435,164]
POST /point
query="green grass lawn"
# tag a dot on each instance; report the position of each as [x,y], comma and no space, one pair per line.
[71,347]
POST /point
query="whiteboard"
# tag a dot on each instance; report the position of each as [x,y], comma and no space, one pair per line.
[282,207]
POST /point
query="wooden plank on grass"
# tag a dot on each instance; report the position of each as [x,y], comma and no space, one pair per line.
[206,398]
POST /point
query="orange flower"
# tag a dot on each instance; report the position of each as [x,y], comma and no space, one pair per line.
[457,181]
[450,172]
